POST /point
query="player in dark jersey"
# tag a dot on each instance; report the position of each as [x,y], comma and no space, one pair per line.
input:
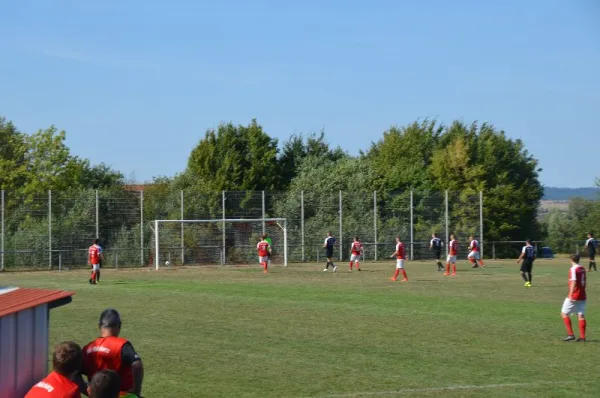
[527,257]
[591,245]
[435,245]
[328,245]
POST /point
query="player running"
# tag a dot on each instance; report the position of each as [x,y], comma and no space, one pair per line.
[452,252]
[95,257]
[474,253]
[591,245]
[328,245]
[400,255]
[264,249]
[435,245]
[355,252]
[528,257]
[575,301]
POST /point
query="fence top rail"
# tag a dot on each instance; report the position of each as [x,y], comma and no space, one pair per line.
[225,220]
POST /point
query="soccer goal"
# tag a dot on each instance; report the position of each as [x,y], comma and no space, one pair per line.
[217,242]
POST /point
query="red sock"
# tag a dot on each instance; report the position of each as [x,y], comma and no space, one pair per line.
[582,328]
[397,272]
[351,265]
[567,322]
[481,262]
[357,265]
[94,276]
[404,273]
[454,268]
[447,268]
[471,260]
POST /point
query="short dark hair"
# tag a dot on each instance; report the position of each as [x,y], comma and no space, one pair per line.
[398,237]
[528,241]
[356,238]
[590,234]
[105,384]
[67,358]
[435,234]
[264,237]
[96,241]
[110,318]
[575,258]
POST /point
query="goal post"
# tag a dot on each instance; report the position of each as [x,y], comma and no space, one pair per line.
[217,241]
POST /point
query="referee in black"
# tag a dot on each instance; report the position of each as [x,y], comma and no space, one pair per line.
[328,245]
[435,245]
[591,244]
[528,257]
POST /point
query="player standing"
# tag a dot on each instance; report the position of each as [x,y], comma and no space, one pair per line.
[270,242]
[95,257]
[400,255]
[527,256]
[355,253]
[435,245]
[474,255]
[452,252]
[591,244]
[264,248]
[575,301]
[328,245]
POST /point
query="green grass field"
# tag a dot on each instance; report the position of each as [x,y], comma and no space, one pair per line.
[299,332]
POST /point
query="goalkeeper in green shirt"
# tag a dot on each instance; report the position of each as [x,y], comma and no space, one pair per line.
[268,240]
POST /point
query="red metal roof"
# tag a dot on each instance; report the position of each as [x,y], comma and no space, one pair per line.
[24,298]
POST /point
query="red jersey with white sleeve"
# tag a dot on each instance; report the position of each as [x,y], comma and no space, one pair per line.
[474,245]
[400,252]
[453,246]
[55,385]
[577,276]
[94,254]
[263,248]
[356,248]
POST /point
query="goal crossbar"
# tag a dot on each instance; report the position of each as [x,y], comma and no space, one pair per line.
[281,222]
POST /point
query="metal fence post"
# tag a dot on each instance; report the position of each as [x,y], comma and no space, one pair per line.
[142,227]
[302,222]
[447,237]
[49,229]
[263,213]
[2,230]
[182,236]
[341,231]
[375,222]
[224,237]
[494,250]
[97,216]
[481,223]
[411,226]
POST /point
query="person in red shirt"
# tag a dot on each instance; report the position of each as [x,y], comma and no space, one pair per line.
[452,252]
[105,384]
[111,352]
[95,258]
[264,248]
[474,253]
[575,301]
[60,383]
[355,253]
[400,255]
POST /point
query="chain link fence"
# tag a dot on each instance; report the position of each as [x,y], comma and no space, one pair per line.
[53,231]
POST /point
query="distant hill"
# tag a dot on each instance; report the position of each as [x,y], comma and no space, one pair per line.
[551,193]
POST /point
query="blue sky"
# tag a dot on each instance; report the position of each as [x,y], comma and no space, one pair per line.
[136,83]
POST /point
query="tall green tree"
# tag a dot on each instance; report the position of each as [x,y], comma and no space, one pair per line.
[13,149]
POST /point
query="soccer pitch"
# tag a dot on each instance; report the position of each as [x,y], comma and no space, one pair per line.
[300,332]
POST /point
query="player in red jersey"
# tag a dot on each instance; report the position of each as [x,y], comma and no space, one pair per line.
[95,257]
[474,253]
[452,252]
[61,382]
[575,301]
[355,253]
[400,255]
[264,248]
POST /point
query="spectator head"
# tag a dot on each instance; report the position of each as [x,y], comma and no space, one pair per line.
[575,258]
[110,323]
[67,358]
[105,384]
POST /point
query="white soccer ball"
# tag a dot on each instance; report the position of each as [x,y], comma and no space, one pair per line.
[167,263]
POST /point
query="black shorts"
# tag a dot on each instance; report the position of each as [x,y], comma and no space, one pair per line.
[329,252]
[526,265]
[437,254]
[592,255]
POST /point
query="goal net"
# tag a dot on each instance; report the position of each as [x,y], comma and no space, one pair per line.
[216,242]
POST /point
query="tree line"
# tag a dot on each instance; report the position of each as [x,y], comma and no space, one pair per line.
[424,156]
